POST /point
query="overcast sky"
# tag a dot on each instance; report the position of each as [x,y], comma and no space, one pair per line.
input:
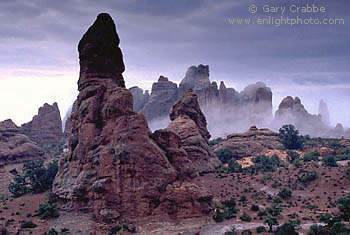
[39,58]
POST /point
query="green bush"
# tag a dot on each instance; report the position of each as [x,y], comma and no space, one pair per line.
[232,231]
[329,161]
[344,207]
[312,156]
[270,221]
[48,210]
[265,164]
[254,208]
[260,229]
[317,230]
[218,216]
[290,138]
[292,156]
[36,178]
[245,217]
[215,141]
[234,166]
[307,177]
[286,228]
[224,155]
[274,210]
[285,193]
[28,224]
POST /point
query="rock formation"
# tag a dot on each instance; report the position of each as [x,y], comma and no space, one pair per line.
[190,124]
[45,128]
[162,98]
[115,167]
[16,147]
[221,105]
[251,143]
[324,112]
[292,111]
[140,98]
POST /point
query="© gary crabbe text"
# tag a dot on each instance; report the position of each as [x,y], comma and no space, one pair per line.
[308,14]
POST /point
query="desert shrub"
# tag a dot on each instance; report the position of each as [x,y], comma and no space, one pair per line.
[218,216]
[48,210]
[52,231]
[215,141]
[286,228]
[292,156]
[245,217]
[290,138]
[344,207]
[285,193]
[229,208]
[317,230]
[28,224]
[329,161]
[265,164]
[270,221]
[224,155]
[115,229]
[246,232]
[307,177]
[274,210]
[234,166]
[254,208]
[232,231]
[260,229]
[36,178]
[347,172]
[311,156]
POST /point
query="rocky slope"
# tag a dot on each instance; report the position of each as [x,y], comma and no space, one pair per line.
[45,128]
[115,167]
[16,147]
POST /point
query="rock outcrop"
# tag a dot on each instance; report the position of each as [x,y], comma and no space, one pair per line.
[162,98]
[188,121]
[251,143]
[16,147]
[115,167]
[292,111]
[45,128]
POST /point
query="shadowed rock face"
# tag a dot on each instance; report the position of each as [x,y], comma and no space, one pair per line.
[46,127]
[16,147]
[115,167]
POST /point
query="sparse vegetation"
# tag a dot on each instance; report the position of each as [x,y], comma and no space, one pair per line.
[307,177]
[245,217]
[215,141]
[290,138]
[265,164]
[286,228]
[48,210]
[313,156]
[271,221]
[36,178]
[344,207]
[285,193]
[224,155]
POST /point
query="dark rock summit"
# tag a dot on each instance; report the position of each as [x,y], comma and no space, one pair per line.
[16,147]
[99,53]
[45,128]
[115,167]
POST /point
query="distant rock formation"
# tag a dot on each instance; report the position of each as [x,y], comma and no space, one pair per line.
[251,143]
[324,112]
[221,105]
[16,147]
[115,167]
[162,98]
[188,121]
[45,128]
[292,111]
[140,98]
